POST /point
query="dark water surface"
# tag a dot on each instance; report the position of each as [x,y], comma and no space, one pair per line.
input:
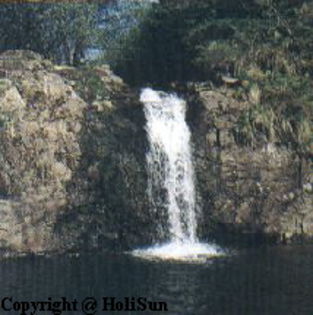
[270,280]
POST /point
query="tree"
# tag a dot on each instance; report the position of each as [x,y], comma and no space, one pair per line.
[59,31]
[118,19]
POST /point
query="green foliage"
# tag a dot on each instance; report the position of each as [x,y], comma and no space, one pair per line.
[59,31]
[154,51]
[171,41]
[198,39]
[117,19]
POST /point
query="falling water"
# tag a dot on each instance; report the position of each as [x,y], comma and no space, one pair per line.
[171,176]
[169,162]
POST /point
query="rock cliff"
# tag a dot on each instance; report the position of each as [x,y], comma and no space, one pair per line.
[72,162]
[72,166]
[248,181]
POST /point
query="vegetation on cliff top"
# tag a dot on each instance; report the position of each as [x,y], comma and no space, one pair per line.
[266,45]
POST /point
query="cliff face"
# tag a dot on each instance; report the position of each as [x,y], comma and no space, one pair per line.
[72,166]
[72,162]
[255,187]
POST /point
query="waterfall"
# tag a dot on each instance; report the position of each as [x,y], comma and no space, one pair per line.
[169,162]
[171,177]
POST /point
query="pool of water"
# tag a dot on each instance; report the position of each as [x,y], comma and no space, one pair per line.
[266,280]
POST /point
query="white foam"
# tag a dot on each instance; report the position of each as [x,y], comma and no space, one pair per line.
[178,251]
